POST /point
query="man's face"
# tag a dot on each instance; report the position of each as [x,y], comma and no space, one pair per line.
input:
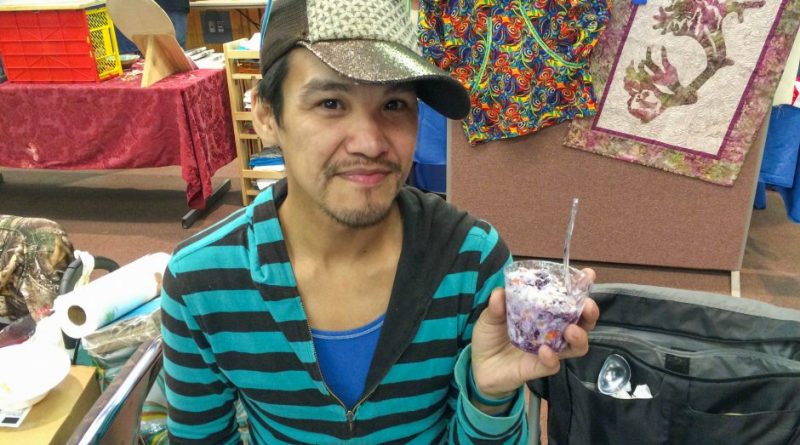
[348,147]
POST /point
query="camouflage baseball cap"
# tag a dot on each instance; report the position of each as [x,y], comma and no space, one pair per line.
[371,41]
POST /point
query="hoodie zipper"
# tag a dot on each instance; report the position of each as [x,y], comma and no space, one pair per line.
[351,423]
[350,414]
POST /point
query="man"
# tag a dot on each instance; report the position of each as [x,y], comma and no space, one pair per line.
[178,13]
[343,307]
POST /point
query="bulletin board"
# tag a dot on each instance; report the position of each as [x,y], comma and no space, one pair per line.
[665,169]
[628,214]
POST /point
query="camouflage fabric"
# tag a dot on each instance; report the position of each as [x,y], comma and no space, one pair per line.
[33,255]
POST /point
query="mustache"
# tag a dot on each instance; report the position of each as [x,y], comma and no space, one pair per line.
[336,168]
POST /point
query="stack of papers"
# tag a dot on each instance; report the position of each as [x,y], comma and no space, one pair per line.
[269,159]
[253,44]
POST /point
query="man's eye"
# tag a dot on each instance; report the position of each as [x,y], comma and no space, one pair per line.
[395,104]
[330,104]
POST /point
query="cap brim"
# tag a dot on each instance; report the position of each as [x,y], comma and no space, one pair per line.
[385,62]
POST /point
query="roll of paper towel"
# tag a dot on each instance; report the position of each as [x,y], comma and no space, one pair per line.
[111,296]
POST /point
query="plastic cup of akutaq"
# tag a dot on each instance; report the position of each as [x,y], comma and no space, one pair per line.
[538,306]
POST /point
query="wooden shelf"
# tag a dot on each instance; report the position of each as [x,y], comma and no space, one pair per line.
[239,53]
[262,174]
[247,144]
[246,76]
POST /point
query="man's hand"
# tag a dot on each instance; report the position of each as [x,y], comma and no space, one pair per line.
[499,368]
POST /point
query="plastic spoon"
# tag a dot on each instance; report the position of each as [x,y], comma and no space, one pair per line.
[614,375]
[567,241]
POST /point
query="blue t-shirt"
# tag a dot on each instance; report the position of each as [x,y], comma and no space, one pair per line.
[344,358]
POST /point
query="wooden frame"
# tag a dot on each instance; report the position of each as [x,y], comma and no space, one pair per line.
[247,144]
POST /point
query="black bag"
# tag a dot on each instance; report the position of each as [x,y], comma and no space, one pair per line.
[722,370]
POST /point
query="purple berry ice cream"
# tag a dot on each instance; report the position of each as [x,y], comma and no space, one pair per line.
[538,308]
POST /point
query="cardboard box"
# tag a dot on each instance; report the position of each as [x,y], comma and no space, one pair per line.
[53,420]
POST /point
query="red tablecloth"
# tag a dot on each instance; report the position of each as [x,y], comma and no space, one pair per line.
[183,120]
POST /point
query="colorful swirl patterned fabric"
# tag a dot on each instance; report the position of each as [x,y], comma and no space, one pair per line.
[524,62]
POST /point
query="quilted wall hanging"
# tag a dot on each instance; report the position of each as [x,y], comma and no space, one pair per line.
[686,83]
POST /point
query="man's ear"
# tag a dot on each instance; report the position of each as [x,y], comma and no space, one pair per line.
[264,120]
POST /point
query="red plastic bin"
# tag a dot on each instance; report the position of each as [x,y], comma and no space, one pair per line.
[55,46]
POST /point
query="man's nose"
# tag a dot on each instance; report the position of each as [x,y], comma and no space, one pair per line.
[368,136]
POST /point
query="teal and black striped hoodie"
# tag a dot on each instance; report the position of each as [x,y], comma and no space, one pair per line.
[234,326]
